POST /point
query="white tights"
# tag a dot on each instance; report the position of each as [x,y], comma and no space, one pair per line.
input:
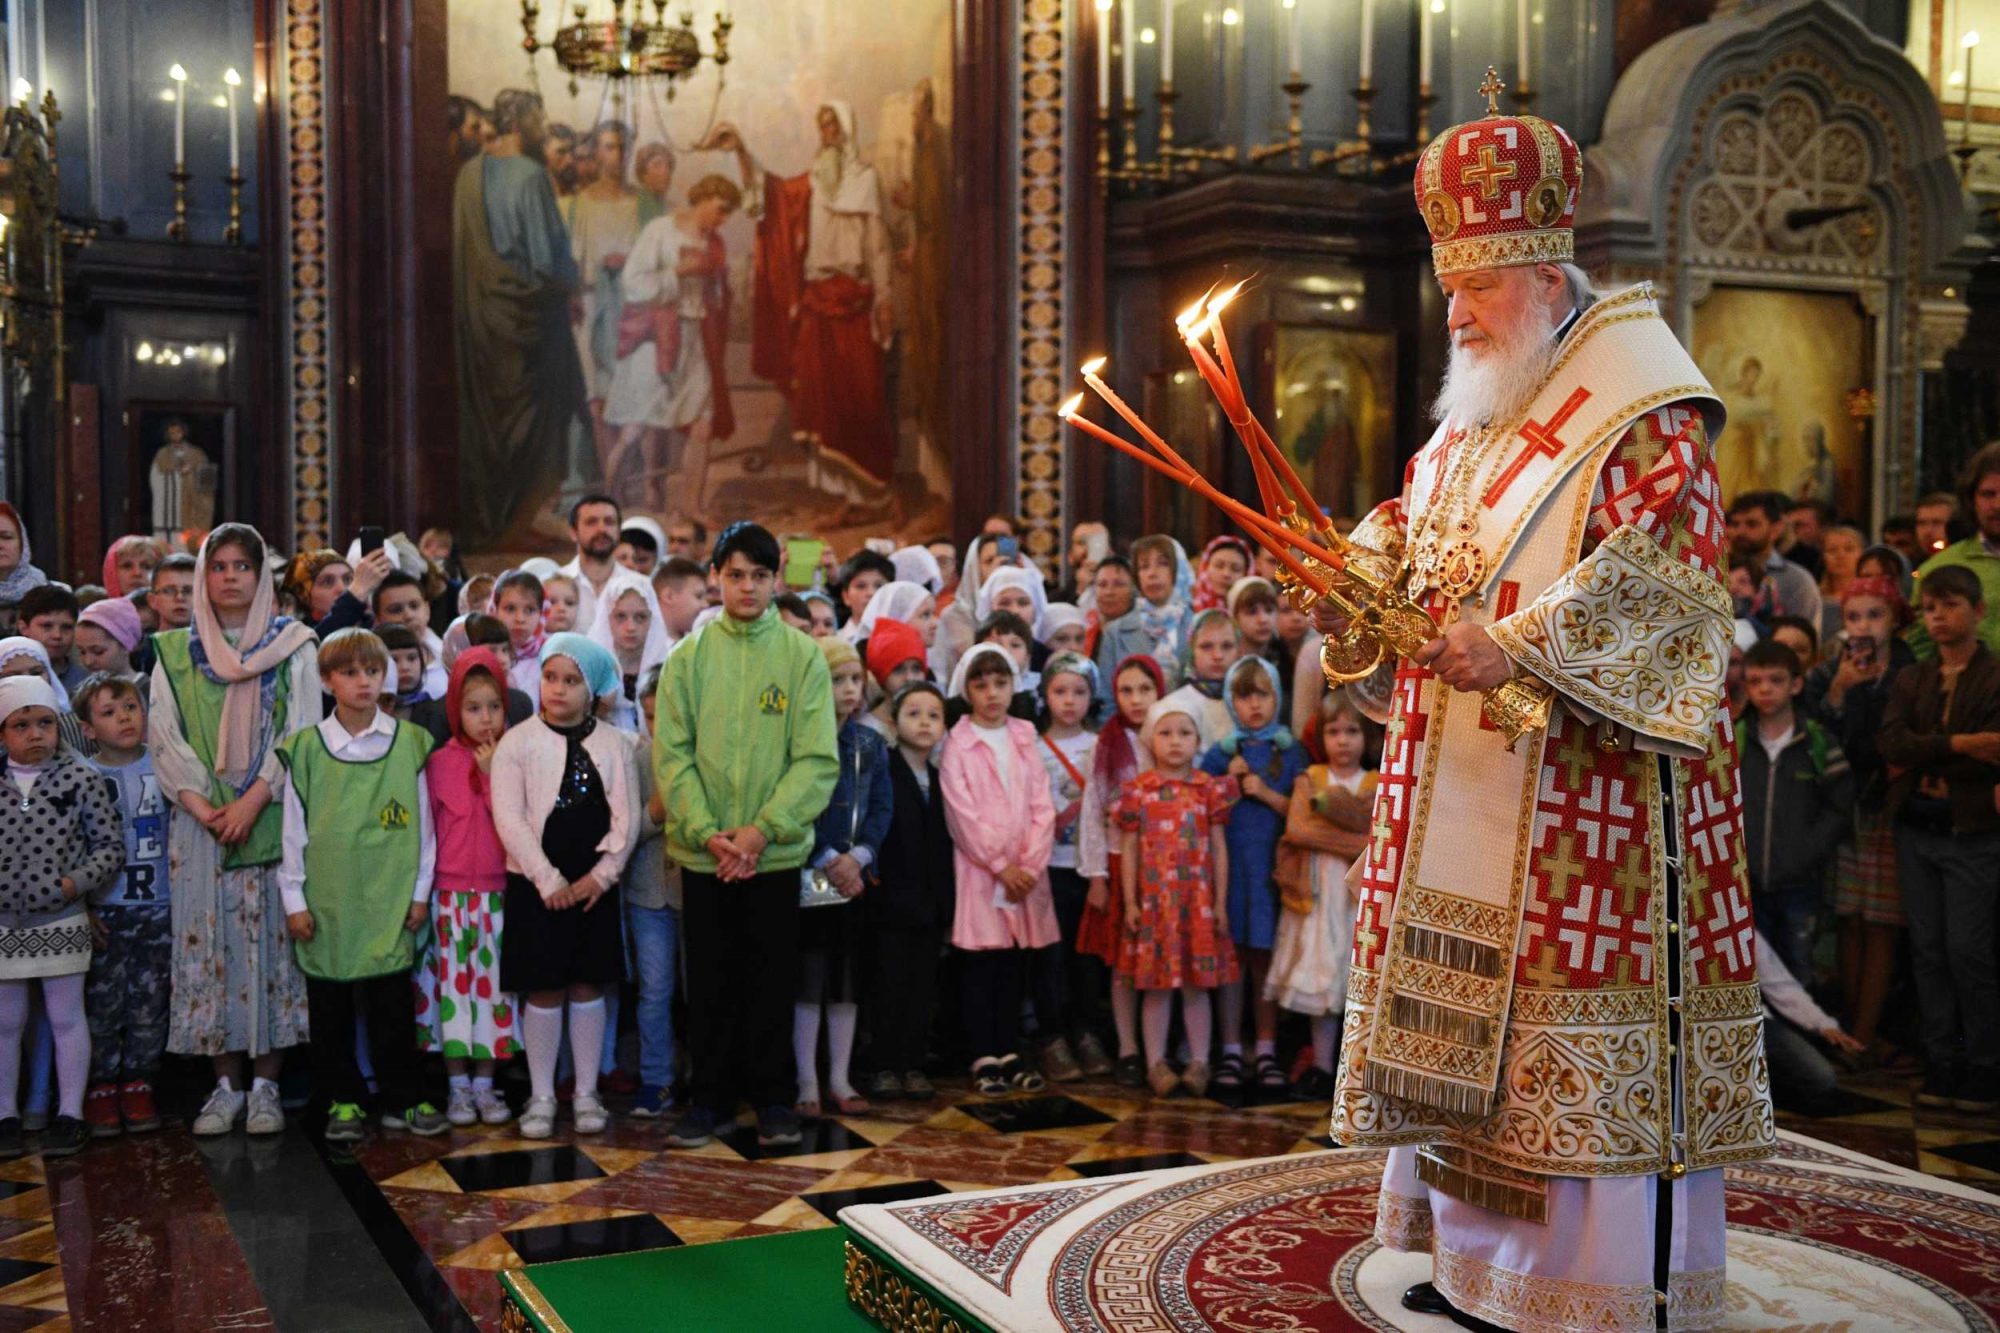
[1157,1015]
[63,998]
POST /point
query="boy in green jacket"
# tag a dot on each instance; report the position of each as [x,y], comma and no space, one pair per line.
[744,754]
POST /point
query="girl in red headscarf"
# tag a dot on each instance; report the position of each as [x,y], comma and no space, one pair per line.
[1136,685]
[472,1022]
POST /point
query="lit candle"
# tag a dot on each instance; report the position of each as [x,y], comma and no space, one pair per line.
[180,78]
[1425,8]
[1292,34]
[1521,27]
[1103,58]
[1129,35]
[1167,43]
[231,80]
[1367,42]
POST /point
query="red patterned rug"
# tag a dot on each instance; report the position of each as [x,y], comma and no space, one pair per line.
[1822,1240]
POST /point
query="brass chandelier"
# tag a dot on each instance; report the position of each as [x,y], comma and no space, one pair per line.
[634,47]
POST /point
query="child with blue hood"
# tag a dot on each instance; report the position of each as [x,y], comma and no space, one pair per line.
[1265,759]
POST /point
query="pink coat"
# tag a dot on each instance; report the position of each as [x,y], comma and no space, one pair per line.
[994,827]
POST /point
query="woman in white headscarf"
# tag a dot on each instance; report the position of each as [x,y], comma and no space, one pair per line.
[915,564]
[1028,581]
[613,624]
[225,692]
[960,620]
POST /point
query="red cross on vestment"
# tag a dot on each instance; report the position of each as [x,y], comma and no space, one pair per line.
[1542,443]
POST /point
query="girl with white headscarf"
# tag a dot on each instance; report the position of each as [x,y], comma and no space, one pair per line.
[915,564]
[225,691]
[22,656]
[1028,581]
[633,662]
[960,620]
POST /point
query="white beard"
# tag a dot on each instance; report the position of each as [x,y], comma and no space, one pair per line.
[1497,383]
[828,166]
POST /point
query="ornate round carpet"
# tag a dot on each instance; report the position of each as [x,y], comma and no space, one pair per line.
[1820,1239]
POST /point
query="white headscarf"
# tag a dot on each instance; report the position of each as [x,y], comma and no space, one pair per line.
[1173,703]
[968,573]
[843,182]
[22,646]
[1061,615]
[892,601]
[651,529]
[18,692]
[1013,576]
[964,667]
[915,564]
[541,567]
[654,650]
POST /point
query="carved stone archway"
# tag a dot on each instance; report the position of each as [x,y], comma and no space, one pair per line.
[1782,146]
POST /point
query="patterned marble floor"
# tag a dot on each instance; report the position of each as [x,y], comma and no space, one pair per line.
[96,1242]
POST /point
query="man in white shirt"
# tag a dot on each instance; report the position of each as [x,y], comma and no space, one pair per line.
[594,523]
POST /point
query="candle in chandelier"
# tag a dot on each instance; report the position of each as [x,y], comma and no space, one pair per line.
[180,78]
[1128,35]
[1103,57]
[1368,41]
[1292,34]
[1521,36]
[1167,43]
[231,81]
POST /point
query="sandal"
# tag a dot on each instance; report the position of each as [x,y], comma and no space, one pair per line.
[1228,1071]
[989,1078]
[852,1104]
[1269,1076]
[1024,1076]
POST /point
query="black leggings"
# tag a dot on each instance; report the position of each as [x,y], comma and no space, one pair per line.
[992,981]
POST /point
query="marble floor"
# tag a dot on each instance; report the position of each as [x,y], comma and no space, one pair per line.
[167,1232]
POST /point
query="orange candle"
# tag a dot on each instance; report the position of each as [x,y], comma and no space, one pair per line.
[1238,413]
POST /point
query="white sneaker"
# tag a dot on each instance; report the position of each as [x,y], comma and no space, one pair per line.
[460,1110]
[588,1110]
[266,1115]
[219,1113]
[538,1118]
[492,1106]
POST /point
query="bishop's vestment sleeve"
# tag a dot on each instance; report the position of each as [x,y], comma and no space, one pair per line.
[1637,631]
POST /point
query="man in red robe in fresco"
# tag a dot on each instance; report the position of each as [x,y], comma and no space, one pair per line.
[821,309]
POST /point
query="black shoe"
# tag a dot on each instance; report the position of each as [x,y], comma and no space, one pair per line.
[11,1146]
[694,1129]
[1228,1074]
[65,1137]
[1425,1298]
[1315,1085]
[1130,1071]
[1939,1088]
[777,1127]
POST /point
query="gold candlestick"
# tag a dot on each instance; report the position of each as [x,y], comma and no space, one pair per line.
[1361,145]
[177,230]
[1174,158]
[1104,153]
[1293,144]
[1166,97]
[233,233]
[1129,113]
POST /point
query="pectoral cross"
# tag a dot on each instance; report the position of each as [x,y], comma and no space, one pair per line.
[1542,443]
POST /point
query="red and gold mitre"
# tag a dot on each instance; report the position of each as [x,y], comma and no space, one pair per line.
[1500,191]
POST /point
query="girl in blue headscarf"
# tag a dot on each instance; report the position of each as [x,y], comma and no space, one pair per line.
[563,806]
[1265,760]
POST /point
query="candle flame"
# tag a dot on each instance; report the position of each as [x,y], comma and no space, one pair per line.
[1185,320]
[232,78]
[1092,366]
[1215,304]
[1068,409]
[1970,40]
[177,74]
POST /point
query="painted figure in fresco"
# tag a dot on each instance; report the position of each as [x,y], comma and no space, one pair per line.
[822,316]
[603,222]
[653,168]
[672,330]
[183,485]
[519,382]
[925,262]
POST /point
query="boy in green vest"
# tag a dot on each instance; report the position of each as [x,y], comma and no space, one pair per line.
[356,880]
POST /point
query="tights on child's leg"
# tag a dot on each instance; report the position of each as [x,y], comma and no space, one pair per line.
[1326,1029]
[63,997]
[13,1023]
[586,1042]
[1125,1015]
[541,1033]
[805,1048]
[841,1020]
[1232,1021]
[1156,1013]
[1195,1018]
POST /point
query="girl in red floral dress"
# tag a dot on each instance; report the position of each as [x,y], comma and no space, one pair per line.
[1174,866]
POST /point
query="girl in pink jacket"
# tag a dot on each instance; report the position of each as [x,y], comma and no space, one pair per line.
[996,801]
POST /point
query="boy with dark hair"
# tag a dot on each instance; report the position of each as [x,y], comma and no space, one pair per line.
[1941,728]
[1798,634]
[744,752]
[860,578]
[1798,798]
[400,600]
[356,880]
[125,996]
[47,615]
[171,600]
[1978,500]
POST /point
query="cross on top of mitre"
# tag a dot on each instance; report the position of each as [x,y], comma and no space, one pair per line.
[1492,89]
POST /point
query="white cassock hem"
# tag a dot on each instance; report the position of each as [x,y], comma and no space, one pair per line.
[1588,1269]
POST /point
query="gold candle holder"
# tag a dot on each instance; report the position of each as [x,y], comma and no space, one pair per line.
[1104,153]
[1361,145]
[1293,144]
[233,233]
[1166,97]
[177,230]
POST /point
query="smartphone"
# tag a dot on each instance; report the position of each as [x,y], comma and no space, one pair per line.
[802,561]
[1862,652]
[1009,547]
[371,539]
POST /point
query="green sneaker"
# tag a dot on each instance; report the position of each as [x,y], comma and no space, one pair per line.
[345,1123]
[422,1119]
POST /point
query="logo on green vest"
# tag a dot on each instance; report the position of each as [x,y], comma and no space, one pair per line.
[772,701]
[394,817]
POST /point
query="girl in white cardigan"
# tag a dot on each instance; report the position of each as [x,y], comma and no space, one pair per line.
[562,803]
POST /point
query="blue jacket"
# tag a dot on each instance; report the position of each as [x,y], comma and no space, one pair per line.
[857,819]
